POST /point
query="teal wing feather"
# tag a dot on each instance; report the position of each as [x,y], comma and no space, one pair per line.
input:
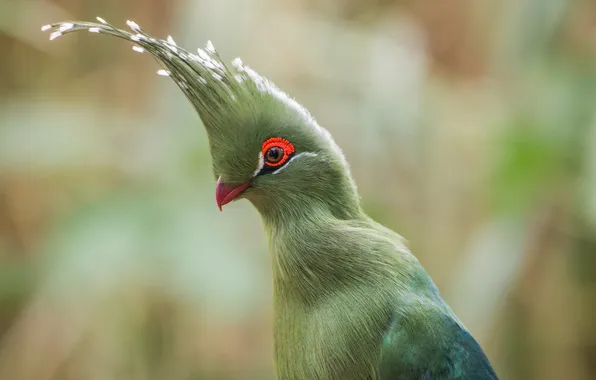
[434,348]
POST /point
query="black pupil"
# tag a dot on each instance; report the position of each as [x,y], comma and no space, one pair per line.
[274,154]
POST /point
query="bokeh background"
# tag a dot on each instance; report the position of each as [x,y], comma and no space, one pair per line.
[470,127]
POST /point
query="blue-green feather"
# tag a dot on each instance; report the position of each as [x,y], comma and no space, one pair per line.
[441,350]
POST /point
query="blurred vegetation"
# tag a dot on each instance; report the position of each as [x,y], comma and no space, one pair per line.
[470,127]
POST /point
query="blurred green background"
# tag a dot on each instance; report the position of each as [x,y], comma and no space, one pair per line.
[470,127]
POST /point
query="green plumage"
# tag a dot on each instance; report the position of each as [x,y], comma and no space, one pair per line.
[351,301]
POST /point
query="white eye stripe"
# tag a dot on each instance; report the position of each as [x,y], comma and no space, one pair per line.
[260,165]
[292,159]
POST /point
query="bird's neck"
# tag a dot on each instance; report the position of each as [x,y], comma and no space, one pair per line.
[333,194]
[334,288]
[300,211]
[291,219]
[317,250]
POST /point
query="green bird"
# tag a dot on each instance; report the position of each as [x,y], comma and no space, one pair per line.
[350,300]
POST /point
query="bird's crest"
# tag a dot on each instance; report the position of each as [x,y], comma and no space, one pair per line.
[213,87]
[220,93]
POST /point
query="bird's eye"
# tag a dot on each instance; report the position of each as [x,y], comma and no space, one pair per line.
[274,154]
[276,151]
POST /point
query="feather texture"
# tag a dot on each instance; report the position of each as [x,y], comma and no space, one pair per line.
[351,301]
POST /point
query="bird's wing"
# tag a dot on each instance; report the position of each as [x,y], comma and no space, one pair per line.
[416,348]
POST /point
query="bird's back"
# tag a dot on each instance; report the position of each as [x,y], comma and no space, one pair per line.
[425,340]
[431,345]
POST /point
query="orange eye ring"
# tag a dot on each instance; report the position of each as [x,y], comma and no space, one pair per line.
[268,150]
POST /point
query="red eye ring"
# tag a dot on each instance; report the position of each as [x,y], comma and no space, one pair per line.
[277,142]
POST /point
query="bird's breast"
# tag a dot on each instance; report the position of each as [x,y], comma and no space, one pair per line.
[338,337]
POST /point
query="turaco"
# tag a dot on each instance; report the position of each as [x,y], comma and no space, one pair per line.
[350,300]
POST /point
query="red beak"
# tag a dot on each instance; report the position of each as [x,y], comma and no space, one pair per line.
[224,194]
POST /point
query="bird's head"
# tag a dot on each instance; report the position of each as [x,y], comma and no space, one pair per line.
[264,146]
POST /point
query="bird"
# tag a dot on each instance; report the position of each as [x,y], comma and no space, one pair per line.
[351,302]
